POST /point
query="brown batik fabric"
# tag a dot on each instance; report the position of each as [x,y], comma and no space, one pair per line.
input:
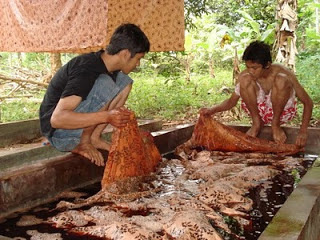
[132,154]
[86,25]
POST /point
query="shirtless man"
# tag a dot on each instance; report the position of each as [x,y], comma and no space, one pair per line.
[89,92]
[268,93]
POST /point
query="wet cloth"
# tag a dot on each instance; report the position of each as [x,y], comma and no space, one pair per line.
[265,106]
[104,90]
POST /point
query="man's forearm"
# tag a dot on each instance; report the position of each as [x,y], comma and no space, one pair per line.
[307,113]
[74,120]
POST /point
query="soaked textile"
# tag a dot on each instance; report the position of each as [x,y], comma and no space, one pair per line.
[84,26]
[132,154]
[215,136]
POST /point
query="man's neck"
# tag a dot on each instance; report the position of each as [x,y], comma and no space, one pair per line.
[110,61]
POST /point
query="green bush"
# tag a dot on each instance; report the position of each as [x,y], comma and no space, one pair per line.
[308,73]
[155,96]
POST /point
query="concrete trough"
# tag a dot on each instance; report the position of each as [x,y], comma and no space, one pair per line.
[19,132]
[32,175]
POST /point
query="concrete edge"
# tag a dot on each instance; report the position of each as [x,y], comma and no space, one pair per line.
[24,156]
[19,132]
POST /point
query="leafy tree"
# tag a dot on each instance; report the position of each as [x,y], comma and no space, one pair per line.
[308,38]
[226,11]
[194,9]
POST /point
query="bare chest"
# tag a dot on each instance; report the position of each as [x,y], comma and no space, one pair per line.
[266,84]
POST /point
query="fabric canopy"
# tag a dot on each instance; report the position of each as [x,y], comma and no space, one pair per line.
[87,25]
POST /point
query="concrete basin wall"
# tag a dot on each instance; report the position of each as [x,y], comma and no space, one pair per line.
[30,176]
[19,132]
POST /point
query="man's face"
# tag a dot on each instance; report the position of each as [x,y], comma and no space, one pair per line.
[255,69]
[132,62]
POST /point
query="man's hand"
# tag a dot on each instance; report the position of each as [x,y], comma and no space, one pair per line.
[301,140]
[206,111]
[119,117]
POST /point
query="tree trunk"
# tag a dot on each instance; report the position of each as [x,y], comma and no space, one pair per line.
[211,67]
[285,44]
[19,56]
[236,68]
[55,60]
[187,65]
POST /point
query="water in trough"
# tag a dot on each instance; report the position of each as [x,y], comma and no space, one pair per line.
[205,195]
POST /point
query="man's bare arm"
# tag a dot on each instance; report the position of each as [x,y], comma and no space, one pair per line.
[65,117]
[307,102]
[223,106]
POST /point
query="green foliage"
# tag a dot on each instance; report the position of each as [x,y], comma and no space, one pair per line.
[296,176]
[215,44]
[18,110]
[308,38]
[36,60]
[33,61]
[252,29]
[172,99]
[308,73]
[192,10]
[226,11]
[206,45]
[167,64]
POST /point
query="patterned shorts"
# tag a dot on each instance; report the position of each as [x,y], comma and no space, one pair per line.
[265,106]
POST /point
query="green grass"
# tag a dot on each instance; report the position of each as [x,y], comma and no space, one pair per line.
[22,109]
[175,98]
[308,74]
[172,99]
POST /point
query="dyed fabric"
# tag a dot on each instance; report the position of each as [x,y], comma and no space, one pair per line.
[215,136]
[85,26]
[132,154]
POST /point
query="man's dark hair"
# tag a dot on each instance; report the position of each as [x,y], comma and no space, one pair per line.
[128,36]
[258,52]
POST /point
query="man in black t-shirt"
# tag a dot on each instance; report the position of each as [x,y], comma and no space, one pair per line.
[89,92]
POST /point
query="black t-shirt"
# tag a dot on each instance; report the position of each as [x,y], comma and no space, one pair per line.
[74,78]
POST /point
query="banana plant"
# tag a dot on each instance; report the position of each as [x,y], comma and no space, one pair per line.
[253,30]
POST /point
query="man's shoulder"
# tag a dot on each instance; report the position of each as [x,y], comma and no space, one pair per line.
[277,67]
[244,73]
[280,69]
[83,58]
[87,61]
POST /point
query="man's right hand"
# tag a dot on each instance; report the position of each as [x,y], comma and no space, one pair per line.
[206,111]
[118,117]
